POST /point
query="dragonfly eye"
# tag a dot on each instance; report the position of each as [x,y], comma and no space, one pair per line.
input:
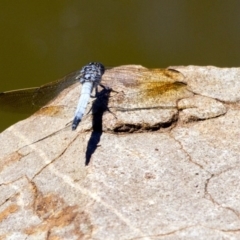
[99,65]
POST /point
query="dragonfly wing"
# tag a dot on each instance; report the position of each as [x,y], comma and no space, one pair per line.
[30,100]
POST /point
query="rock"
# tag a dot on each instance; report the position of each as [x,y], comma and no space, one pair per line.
[156,161]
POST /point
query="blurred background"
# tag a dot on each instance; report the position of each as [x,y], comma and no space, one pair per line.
[42,41]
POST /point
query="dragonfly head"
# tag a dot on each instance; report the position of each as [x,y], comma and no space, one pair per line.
[98,65]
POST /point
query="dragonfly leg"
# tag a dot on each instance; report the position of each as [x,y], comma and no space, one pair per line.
[104,87]
[101,98]
[107,88]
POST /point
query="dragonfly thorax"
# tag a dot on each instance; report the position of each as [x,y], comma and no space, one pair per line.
[92,72]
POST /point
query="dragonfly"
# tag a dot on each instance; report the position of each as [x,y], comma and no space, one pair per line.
[135,88]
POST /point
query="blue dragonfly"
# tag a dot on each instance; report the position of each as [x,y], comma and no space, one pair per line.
[148,88]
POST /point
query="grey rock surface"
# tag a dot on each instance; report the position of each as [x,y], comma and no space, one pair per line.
[170,171]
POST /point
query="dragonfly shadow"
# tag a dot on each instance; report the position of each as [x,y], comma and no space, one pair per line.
[99,106]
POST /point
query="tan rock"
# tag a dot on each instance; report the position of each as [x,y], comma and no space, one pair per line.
[167,169]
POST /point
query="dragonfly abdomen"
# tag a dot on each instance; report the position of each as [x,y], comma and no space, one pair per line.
[90,76]
[82,104]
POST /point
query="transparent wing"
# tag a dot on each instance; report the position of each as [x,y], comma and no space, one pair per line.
[31,99]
